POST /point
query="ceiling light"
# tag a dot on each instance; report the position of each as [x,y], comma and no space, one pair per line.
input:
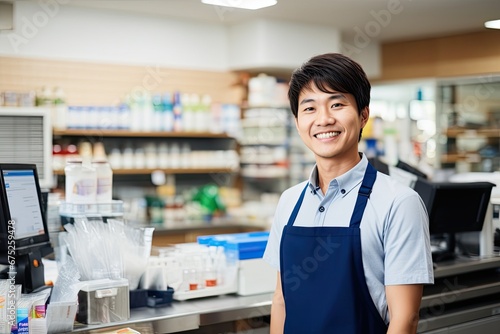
[495,24]
[244,4]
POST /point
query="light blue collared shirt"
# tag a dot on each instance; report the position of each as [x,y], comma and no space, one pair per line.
[394,229]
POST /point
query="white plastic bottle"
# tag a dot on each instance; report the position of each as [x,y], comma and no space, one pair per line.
[60,109]
[104,173]
[71,175]
[81,183]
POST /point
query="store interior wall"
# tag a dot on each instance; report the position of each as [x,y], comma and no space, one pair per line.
[70,33]
[468,54]
[56,31]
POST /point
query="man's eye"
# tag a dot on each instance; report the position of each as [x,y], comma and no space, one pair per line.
[309,109]
[336,105]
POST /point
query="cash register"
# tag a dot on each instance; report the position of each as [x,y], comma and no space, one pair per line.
[24,236]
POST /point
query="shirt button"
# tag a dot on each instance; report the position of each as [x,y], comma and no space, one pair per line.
[342,191]
[321,208]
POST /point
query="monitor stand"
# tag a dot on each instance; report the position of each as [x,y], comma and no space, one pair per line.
[448,253]
[29,272]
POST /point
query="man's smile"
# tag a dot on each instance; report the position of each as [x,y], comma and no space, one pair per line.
[326,135]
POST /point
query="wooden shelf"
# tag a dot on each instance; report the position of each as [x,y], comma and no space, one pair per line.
[146,171]
[127,133]
[456,157]
[491,133]
[265,106]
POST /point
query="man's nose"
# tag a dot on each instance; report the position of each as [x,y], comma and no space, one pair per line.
[324,117]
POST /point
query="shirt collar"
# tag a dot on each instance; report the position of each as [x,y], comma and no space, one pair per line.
[346,181]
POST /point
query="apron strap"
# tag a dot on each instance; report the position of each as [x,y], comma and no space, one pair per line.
[363,195]
[296,209]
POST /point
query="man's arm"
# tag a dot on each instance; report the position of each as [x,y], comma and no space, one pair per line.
[278,309]
[403,302]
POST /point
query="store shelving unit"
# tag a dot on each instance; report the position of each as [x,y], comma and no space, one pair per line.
[264,148]
[271,154]
[147,171]
[185,176]
[470,130]
[206,141]
[136,134]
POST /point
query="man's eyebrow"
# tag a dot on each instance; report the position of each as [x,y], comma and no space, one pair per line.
[331,97]
[304,101]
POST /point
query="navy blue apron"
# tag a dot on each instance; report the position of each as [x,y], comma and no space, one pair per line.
[322,275]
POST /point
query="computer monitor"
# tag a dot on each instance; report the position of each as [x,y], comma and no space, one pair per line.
[24,236]
[409,168]
[454,208]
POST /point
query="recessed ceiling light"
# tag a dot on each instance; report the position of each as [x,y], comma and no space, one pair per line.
[244,4]
[494,24]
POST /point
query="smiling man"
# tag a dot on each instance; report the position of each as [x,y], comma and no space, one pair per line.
[350,244]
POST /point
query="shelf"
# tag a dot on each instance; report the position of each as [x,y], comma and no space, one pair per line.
[146,171]
[270,172]
[258,161]
[277,106]
[456,157]
[491,133]
[127,133]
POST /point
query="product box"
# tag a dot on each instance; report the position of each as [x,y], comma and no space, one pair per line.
[247,247]
[254,274]
[103,301]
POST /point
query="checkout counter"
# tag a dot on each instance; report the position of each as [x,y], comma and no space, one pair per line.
[464,298]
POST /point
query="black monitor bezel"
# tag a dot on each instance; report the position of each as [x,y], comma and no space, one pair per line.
[429,190]
[26,244]
[410,169]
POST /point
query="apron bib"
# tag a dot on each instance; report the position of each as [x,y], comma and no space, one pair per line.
[322,275]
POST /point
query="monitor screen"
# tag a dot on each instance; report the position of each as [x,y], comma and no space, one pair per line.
[23,202]
[21,210]
[455,207]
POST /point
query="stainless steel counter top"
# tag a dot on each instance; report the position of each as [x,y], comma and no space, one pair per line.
[195,313]
[191,314]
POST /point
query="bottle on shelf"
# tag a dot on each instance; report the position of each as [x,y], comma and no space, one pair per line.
[188,112]
[178,120]
[60,109]
[168,113]
[203,116]
[81,182]
[157,112]
[104,174]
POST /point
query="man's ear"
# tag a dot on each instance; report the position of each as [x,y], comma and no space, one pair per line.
[365,115]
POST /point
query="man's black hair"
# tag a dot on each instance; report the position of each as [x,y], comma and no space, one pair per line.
[330,71]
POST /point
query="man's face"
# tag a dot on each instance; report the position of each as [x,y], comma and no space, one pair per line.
[329,123]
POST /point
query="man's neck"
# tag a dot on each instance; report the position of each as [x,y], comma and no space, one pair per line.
[329,169]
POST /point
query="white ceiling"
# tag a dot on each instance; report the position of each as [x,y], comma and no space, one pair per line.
[410,19]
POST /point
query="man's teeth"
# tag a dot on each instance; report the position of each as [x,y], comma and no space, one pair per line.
[327,135]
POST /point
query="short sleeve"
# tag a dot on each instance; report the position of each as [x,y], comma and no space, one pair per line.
[407,251]
[272,251]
